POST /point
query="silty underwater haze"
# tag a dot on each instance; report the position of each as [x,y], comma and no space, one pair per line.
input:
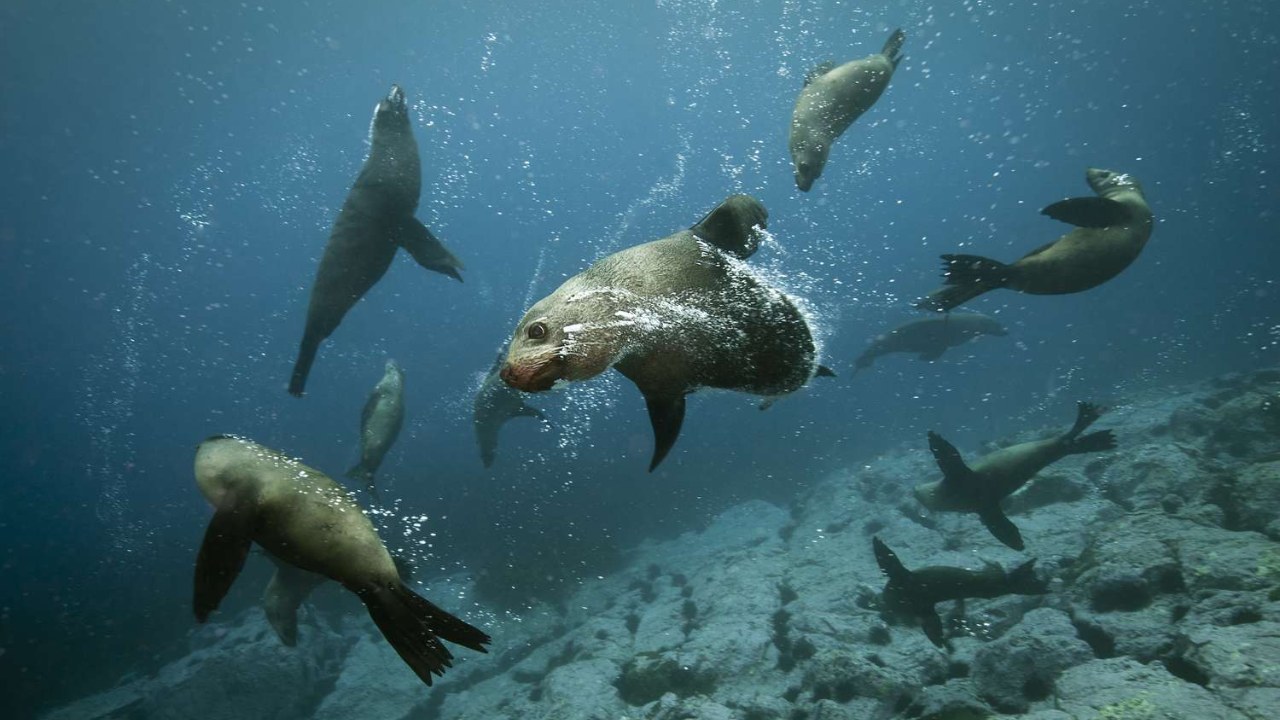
[172,172]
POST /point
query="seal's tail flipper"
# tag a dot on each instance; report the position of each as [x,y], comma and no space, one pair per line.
[1023,580]
[1001,527]
[1093,442]
[414,628]
[302,366]
[426,250]
[893,47]
[666,415]
[965,277]
[222,554]
[1086,415]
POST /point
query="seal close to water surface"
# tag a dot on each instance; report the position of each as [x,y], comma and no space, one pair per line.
[981,488]
[672,315]
[380,424]
[930,337]
[375,221]
[303,518]
[1111,230]
[832,98]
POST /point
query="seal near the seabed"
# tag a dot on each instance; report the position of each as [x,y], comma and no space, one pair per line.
[672,315]
[1111,230]
[832,98]
[300,516]
[375,221]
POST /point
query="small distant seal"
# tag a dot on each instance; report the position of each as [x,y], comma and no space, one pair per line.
[303,518]
[832,98]
[376,219]
[930,337]
[1111,230]
[380,424]
[672,316]
[495,404]
[915,592]
[980,489]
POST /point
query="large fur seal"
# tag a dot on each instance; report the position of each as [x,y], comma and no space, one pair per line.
[1111,230]
[980,489]
[832,98]
[915,592]
[302,517]
[380,424]
[930,337]
[672,315]
[495,404]
[376,219]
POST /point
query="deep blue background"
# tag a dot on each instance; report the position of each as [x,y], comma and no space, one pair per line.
[170,171]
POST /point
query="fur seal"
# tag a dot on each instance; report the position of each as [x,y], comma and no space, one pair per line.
[832,98]
[915,592]
[671,315]
[303,518]
[380,424]
[993,478]
[282,597]
[930,337]
[1111,230]
[376,219]
[495,404]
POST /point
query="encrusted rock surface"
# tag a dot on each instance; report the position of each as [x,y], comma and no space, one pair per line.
[1164,602]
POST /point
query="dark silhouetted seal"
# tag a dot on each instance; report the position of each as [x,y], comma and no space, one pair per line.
[980,489]
[380,424]
[915,592]
[376,220]
[1112,228]
[929,337]
[832,98]
[672,315]
[495,404]
[303,518]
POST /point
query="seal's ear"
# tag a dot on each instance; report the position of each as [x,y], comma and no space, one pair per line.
[734,225]
[1089,212]
[226,545]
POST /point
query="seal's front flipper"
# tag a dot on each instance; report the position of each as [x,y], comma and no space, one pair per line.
[824,371]
[413,626]
[666,415]
[302,366]
[1001,527]
[428,251]
[733,225]
[226,545]
[1089,212]
[932,625]
[954,472]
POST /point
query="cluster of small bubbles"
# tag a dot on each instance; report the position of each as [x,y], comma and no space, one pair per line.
[584,404]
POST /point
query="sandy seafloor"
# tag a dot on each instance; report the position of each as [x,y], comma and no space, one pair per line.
[1161,558]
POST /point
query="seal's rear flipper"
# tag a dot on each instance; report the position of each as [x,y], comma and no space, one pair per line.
[893,46]
[1023,580]
[666,415]
[954,472]
[889,563]
[226,545]
[1089,212]
[1093,442]
[1001,527]
[429,252]
[1086,415]
[732,225]
[414,627]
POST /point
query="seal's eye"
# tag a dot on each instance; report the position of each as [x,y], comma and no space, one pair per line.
[536,331]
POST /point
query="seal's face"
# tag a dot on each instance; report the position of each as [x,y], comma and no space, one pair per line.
[569,335]
[536,359]
[1106,182]
[808,168]
[391,110]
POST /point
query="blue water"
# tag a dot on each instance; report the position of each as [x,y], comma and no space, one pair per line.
[171,170]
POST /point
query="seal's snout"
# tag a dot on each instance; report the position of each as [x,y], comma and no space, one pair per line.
[531,378]
[396,96]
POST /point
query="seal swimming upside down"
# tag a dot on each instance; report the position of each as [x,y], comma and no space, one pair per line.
[832,98]
[376,220]
[981,488]
[672,315]
[301,517]
[1111,230]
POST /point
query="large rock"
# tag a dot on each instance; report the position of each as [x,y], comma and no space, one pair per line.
[1124,689]
[1021,667]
